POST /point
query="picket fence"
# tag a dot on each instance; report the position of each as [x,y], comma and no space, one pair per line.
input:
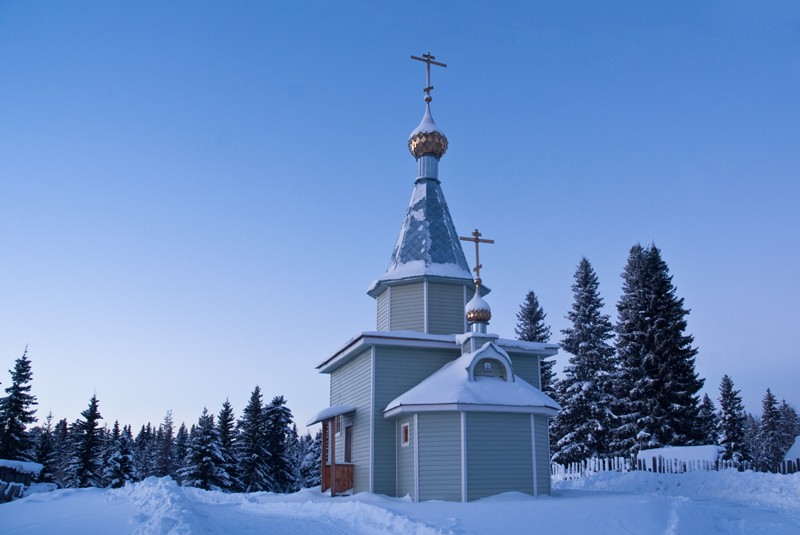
[662,465]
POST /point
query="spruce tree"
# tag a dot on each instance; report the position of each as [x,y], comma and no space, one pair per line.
[204,462]
[790,425]
[16,412]
[251,450]
[45,451]
[580,429]
[769,438]
[656,384]
[226,423]
[731,422]
[532,328]
[181,448]
[278,419]
[311,465]
[86,464]
[120,467]
[707,421]
[165,448]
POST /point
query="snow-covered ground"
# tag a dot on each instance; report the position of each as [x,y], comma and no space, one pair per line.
[637,502]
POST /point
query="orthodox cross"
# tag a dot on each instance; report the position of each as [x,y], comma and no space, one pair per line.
[476,238]
[428,60]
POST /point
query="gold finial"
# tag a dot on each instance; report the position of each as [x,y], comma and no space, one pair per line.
[476,238]
[427,58]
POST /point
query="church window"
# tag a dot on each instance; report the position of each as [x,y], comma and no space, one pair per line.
[405,435]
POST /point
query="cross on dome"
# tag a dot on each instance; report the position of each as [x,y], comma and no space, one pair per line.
[476,238]
[427,58]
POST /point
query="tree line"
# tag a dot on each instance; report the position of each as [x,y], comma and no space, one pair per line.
[632,385]
[260,451]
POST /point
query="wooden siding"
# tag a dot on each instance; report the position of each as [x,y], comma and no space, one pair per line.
[527,367]
[440,456]
[396,371]
[405,459]
[407,308]
[499,457]
[542,453]
[350,385]
[382,323]
[445,308]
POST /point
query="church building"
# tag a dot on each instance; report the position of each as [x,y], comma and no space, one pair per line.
[430,404]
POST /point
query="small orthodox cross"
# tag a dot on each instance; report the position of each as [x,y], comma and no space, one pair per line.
[476,238]
[428,60]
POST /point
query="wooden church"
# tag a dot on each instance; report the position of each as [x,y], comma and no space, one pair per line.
[430,404]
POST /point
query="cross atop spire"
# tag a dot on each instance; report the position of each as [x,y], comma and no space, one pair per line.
[476,238]
[427,58]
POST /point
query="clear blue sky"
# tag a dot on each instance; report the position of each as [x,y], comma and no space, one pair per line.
[194,196]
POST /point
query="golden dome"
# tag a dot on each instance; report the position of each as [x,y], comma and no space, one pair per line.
[477,310]
[427,138]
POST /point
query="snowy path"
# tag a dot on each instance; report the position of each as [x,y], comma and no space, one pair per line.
[636,503]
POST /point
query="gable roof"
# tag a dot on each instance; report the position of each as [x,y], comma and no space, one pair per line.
[454,388]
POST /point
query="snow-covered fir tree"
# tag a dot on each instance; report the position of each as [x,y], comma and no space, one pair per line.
[17,411]
[311,465]
[181,448]
[62,448]
[120,467]
[532,328]
[144,447]
[580,429]
[165,464]
[251,451]
[769,452]
[204,461]
[278,435]
[226,423]
[656,385]
[790,425]
[731,422]
[45,452]
[85,465]
[707,421]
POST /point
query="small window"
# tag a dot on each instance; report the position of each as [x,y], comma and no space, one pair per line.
[337,425]
[405,435]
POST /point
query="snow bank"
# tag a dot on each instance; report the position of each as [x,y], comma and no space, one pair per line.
[707,454]
[772,491]
[607,503]
[22,466]
[794,452]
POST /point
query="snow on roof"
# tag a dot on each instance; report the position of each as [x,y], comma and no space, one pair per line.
[682,453]
[428,243]
[794,452]
[23,467]
[330,412]
[427,125]
[451,385]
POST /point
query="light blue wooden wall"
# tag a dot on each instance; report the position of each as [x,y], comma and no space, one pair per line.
[396,371]
[405,459]
[382,323]
[499,454]
[440,456]
[350,385]
[527,367]
[542,454]
[407,308]
[445,308]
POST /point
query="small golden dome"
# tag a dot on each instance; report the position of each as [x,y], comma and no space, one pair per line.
[427,138]
[477,310]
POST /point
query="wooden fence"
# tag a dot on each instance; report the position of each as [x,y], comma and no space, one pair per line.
[661,465]
[790,467]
